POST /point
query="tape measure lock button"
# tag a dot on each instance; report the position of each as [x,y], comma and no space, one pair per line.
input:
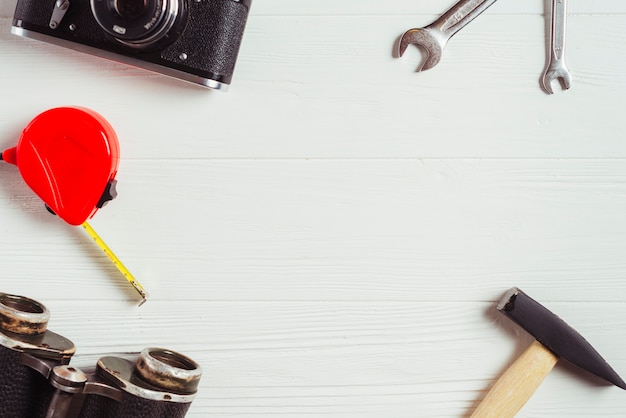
[110,193]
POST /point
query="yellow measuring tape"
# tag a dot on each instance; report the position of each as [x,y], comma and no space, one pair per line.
[120,266]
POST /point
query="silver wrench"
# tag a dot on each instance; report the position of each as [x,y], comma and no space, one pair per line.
[556,68]
[434,37]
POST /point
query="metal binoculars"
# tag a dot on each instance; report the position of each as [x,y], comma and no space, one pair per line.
[36,380]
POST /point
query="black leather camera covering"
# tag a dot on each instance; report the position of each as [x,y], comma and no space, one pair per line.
[207,46]
[212,38]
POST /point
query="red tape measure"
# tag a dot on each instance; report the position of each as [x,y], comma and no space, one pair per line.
[69,157]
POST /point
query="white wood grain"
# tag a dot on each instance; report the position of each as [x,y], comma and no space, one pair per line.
[338,230]
[310,95]
[346,359]
[329,237]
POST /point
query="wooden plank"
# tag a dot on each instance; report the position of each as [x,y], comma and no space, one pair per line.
[335,230]
[345,359]
[329,238]
[339,93]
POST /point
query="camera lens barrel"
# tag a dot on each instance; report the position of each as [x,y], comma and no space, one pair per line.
[138,24]
[131,9]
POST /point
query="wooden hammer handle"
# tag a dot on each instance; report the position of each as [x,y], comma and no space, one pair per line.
[513,389]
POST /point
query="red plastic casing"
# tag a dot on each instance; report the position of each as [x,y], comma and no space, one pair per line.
[67,156]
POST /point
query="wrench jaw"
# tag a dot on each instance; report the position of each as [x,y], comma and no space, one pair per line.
[427,41]
[561,73]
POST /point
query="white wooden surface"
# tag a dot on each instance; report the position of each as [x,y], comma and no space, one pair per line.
[329,237]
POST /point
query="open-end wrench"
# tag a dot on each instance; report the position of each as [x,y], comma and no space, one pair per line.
[556,68]
[434,37]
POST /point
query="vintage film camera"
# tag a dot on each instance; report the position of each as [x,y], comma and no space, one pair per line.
[36,380]
[192,40]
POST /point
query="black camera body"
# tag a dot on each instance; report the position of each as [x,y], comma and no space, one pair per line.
[37,381]
[192,40]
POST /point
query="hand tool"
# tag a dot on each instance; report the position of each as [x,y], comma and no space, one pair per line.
[556,68]
[554,340]
[434,37]
[69,157]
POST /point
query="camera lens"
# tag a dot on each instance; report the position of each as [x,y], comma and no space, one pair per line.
[131,9]
[138,24]
[22,315]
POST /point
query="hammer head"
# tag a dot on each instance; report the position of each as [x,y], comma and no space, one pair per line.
[551,331]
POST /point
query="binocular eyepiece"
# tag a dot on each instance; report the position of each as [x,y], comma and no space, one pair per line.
[37,381]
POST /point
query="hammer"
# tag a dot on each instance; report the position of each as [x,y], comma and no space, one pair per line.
[554,340]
